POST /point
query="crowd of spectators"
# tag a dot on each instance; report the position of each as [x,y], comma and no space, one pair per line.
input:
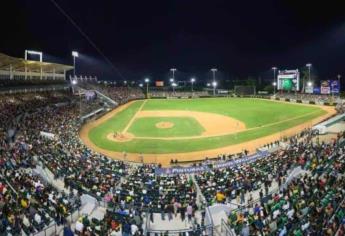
[120,95]
[27,203]
[80,168]
[179,94]
[309,204]
[316,98]
[303,206]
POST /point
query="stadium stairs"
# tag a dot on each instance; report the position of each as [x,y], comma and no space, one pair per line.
[89,205]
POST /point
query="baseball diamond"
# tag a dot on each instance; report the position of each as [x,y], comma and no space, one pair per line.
[196,127]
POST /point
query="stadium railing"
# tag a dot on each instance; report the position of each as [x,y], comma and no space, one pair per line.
[55,229]
[225,229]
[196,229]
[32,89]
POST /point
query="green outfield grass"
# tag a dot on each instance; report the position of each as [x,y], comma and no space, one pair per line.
[261,115]
[183,126]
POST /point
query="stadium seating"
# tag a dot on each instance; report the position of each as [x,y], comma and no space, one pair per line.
[265,200]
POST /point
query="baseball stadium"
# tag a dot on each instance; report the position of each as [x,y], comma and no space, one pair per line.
[171,118]
[159,130]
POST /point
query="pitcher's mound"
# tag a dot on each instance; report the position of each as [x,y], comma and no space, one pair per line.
[121,137]
[164,125]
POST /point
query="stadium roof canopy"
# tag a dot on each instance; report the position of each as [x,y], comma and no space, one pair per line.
[19,64]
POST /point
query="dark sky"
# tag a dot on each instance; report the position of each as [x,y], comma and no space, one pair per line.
[146,38]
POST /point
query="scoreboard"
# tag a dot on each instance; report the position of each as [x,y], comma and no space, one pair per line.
[288,80]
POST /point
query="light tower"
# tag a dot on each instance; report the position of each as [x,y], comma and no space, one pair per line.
[214,83]
[74,55]
[274,79]
[309,65]
[192,80]
[147,80]
[173,72]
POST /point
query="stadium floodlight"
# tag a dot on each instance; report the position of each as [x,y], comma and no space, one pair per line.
[74,82]
[171,80]
[214,84]
[309,84]
[192,80]
[147,80]
[141,85]
[125,82]
[74,55]
[208,84]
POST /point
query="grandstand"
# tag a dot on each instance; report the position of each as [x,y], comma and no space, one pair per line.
[51,183]
[13,68]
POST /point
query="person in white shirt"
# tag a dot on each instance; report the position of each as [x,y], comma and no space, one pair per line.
[38,218]
[79,227]
[134,229]
[290,213]
[276,213]
[26,221]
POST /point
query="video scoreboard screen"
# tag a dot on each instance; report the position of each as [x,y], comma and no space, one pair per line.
[288,80]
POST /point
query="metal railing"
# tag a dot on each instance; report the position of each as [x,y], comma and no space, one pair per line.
[55,229]
[32,89]
[225,229]
[204,230]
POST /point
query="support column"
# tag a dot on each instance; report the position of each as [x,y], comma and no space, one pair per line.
[11,72]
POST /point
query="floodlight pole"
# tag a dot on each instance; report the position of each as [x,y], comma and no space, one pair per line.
[192,80]
[214,80]
[274,87]
[147,89]
[74,66]
[147,80]
[274,78]
[309,68]
[74,55]
[173,72]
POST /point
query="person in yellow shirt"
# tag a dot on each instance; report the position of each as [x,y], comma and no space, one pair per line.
[24,203]
[220,197]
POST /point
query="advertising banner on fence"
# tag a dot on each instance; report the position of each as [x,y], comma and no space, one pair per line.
[316,90]
[309,89]
[335,86]
[325,87]
[219,165]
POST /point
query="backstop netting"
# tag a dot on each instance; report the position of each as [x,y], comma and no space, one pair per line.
[243,90]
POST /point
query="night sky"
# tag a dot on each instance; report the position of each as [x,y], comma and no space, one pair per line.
[146,38]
